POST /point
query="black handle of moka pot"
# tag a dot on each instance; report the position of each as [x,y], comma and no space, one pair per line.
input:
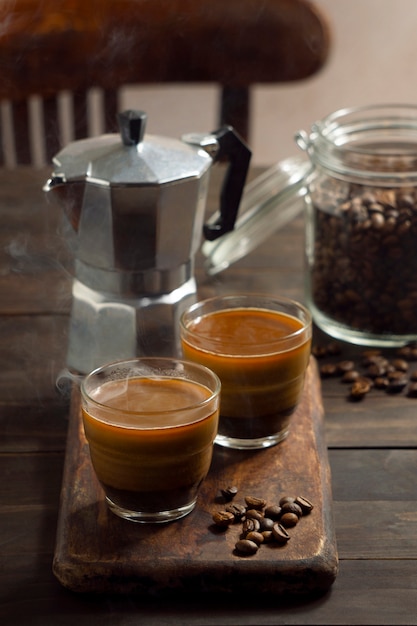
[232,148]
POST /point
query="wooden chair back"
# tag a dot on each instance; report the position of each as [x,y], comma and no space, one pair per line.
[56,46]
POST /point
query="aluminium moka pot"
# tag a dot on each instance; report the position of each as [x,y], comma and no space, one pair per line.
[134,206]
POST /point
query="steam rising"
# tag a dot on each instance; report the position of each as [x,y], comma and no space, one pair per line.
[65,382]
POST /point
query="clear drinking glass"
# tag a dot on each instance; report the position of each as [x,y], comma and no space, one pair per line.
[150,424]
[259,346]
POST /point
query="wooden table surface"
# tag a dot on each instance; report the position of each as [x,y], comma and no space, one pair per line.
[372,448]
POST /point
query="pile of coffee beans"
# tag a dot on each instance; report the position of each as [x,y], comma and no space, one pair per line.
[364,263]
[260,522]
[372,370]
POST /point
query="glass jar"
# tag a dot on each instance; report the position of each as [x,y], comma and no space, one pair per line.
[361,224]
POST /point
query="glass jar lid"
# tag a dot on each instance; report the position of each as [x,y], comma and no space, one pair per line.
[268,203]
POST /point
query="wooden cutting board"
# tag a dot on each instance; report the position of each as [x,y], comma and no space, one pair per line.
[98,552]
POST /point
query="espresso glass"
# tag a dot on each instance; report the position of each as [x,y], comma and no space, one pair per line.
[259,346]
[150,424]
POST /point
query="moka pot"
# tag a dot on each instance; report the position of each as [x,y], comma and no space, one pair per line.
[134,207]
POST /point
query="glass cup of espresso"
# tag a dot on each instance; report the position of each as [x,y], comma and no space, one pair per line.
[150,424]
[259,346]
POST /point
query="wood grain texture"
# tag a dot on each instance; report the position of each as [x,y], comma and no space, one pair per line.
[96,551]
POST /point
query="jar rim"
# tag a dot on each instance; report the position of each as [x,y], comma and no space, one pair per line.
[377,142]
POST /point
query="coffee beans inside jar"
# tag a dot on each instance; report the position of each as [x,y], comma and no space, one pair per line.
[364,263]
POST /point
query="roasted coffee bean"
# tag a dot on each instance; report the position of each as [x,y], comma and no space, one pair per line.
[223,518]
[359,389]
[245,546]
[280,534]
[395,375]
[376,370]
[255,503]
[400,365]
[369,355]
[344,366]
[250,525]
[366,380]
[377,220]
[229,493]
[378,360]
[381,382]
[331,349]
[397,384]
[289,519]
[319,351]
[268,536]
[254,514]
[238,510]
[404,352]
[256,537]
[408,352]
[405,200]
[305,505]
[286,499]
[350,377]
[273,511]
[328,370]
[266,523]
[292,507]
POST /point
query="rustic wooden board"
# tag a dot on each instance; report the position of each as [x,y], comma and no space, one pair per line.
[98,552]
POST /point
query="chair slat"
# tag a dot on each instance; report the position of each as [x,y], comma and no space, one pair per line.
[110,110]
[21,132]
[80,114]
[51,124]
